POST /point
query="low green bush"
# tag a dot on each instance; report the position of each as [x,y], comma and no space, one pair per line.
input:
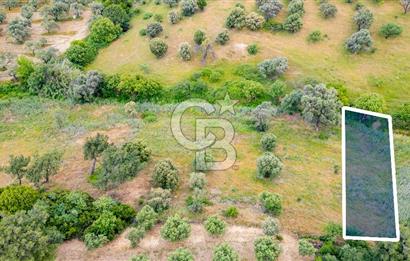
[224,252]
[231,212]
[135,235]
[268,166]
[390,30]
[175,229]
[159,199]
[306,248]
[315,36]
[271,203]
[252,49]
[146,218]
[266,249]
[165,175]
[15,198]
[158,47]
[270,226]
[181,254]
[268,141]
[214,225]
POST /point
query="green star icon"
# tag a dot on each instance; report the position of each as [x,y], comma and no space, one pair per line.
[227,105]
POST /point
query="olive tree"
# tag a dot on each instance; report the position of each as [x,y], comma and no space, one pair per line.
[214,225]
[185,51]
[19,29]
[17,166]
[359,42]
[405,4]
[154,29]
[76,10]
[327,10]
[363,18]
[146,218]
[293,23]
[44,167]
[85,87]
[11,4]
[270,8]
[49,24]
[158,47]
[27,11]
[93,148]
[268,166]
[159,199]
[320,105]
[271,203]
[272,68]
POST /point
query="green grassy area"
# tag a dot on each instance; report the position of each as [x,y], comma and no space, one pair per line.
[385,71]
[310,187]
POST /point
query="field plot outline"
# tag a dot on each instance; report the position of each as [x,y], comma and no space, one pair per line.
[393,173]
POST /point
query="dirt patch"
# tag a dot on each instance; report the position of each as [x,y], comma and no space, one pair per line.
[200,243]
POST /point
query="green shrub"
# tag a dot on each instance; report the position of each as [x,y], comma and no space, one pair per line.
[328,10]
[359,42]
[154,29]
[401,117]
[271,203]
[138,88]
[174,17]
[196,202]
[3,16]
[341,92]
[185,51]
[189,89]
[146,218]
[203,161]
[147,15]
[270,226]
[371,102]
[214,225]
[202,4]
[135,235]
[175,229]
[222,38]
[296,7]
[252,49]
[15,198]
[236,18]
[165,175]
[293,23]
[254,21]
[181,254]
[231,212]
[117,15]
[199,37]
[158,47]
[107,225]
[224,252]
[103,31]
[247,92]
[306,248]
[292,102]
[94,241]
[315,36]
[159,18]
[390,30]
[25,67]
[268,166]
[159,199]
[266,249]
[197,180]
[268,142]
[81,53]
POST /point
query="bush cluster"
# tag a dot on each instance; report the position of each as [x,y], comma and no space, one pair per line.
[159,199]
[328,10]
[236,18]
[271,203]
[254,21]
[181,254]
[266,248]
[359,42]
[175,229]
[224,252]
[215,226]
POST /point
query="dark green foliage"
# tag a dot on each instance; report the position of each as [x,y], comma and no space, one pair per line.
[137,88]
[328,10]
[245,91]
[252,49]
[181,254]
[175,229]
[122,163]
[363,19]
[268,166]
[231,212]
[24,236]
[159,199]
[236,18]
[315,36]
[107,225]
[158,47]
[201,4]
[165,175]
[292,102]
[103,31]
[17,167]
[199,37]
[189,89]
[215,226]
[154,29]
[81,53]
[390,30]
[117,15]
[266,248]
[224,252]
[222,38]
[271,203]
[268,142]
[94,147]
[146,218]
[293,23]
[15,198]
[44,167]
[371,102]
[401,117]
